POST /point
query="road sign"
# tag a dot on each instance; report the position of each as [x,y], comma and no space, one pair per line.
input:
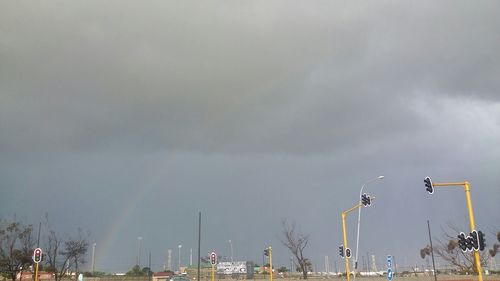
[213,258]
[37,255]
[389,267]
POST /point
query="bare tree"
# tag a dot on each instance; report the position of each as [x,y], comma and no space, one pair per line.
[450,252]
[296,243]
[16,247]
[64,255]
[496,247]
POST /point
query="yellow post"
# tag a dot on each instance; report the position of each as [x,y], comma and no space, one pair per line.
[466,186]
[345,247]
[36,272]
[271,263]
[213,272]
[473,227]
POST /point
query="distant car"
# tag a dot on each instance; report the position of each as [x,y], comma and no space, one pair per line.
[179,278]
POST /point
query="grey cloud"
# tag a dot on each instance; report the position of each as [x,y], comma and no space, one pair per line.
[241,81]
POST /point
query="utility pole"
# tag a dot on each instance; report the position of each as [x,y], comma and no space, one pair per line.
[199,244]
[432,251]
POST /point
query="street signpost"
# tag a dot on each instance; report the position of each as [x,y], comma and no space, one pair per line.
[389,268]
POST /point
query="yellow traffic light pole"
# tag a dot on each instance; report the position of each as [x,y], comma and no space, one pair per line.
[213,272]
[36,271]
[344,213]
[466,186]
[271,263]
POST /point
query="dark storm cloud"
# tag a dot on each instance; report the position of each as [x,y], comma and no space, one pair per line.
[245,104]
[234,78]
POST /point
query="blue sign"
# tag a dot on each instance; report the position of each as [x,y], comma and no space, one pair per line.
[389,268]
[389,274]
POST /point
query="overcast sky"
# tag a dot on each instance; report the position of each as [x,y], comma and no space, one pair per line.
[128,118]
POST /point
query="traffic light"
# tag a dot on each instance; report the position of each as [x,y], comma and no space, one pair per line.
[37,255]
[266,252]
[462,242]
[481,240]
[474,240]
[348,253]
[428,185]
[469,243]
[341,251]
[366,200]
[213,258]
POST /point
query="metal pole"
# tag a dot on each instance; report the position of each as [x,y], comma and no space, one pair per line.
[271,263]
[432,251]
[149,270]
[473,227]
[93,258]
[359,220]
[199,244]
[231,244]
[38,240]
[36,272]
[368,263]
[345,247]
[357,236]
[180,246]
[139,239]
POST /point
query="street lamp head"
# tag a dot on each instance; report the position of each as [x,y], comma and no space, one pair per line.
[180,246]
[380,177]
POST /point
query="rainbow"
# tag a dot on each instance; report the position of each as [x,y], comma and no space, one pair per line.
[116,227]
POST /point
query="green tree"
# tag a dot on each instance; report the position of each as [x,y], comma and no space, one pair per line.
[16,247]
[135,271]
[282,269]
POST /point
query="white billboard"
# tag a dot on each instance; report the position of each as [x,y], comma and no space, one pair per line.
[239,267]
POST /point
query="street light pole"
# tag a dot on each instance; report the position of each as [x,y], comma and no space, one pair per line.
[231,244]
[180,246]
[139,239]
[359,220]
[93,258]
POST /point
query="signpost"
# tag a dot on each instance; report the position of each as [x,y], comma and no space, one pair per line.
[213,261]
[389,268]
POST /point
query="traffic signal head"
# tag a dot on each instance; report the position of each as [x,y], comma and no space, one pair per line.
[213,258]
[348,252]
[341,251]
[428,185]
[366,200]
[37,255]
[266,252]
[481,240]
[474,240]
[462,242]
